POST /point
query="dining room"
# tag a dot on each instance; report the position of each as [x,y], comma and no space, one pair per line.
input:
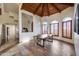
[47,25]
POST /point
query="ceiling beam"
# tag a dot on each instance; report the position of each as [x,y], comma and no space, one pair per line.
[42,9]
[68,4]
[53,5]
[48,10]
[37,8]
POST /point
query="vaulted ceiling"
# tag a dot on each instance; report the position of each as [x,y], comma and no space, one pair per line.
[45,9]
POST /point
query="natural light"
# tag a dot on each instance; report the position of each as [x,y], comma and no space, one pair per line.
[54,21]
[67,18]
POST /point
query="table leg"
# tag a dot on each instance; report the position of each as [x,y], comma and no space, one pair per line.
[43,43]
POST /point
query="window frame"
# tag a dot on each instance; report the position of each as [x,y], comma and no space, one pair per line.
[54,27]
[66,29]
[42,29]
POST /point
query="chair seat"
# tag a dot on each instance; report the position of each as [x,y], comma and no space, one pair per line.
[50,39]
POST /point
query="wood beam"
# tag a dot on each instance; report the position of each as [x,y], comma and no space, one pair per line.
[48,9]
[37,8]
[53,5]
[68,4]
[42,9]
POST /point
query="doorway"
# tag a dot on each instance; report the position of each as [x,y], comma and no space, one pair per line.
[8,33]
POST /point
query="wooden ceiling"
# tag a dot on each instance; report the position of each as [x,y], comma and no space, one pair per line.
[45,9]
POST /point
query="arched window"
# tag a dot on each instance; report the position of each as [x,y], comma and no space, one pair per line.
[55,28]
[67,27]
[44,28]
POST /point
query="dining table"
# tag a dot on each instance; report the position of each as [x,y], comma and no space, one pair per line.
[42,38]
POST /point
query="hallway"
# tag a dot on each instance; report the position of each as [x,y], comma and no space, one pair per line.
[55,48]
[9,32]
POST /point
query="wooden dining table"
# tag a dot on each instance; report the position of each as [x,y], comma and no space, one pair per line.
[41,39]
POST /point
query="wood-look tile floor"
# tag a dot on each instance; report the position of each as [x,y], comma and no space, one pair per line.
[7,46]
[55,48]
[59,48]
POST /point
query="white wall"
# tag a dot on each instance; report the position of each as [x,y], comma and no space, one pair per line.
[69,12]
[27,36]
[4,18]
[76,41]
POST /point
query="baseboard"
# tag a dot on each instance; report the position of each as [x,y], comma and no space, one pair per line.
[64,41]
